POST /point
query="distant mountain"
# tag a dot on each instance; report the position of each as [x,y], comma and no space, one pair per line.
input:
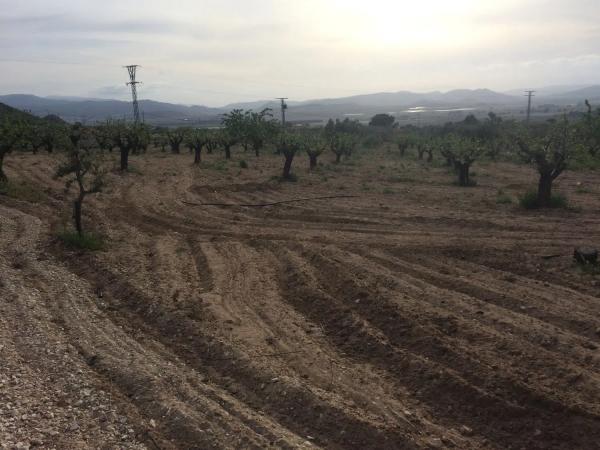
[90,111]
[592,93]
[562,94]
[14,113]
[458,101]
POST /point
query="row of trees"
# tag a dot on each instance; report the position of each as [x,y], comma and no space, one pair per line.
[549,146]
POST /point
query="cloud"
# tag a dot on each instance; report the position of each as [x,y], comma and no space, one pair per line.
[216,52]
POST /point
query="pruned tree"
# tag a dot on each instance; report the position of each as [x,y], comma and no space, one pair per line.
[461,152]
[11,132]
[197,140]
[403,144]
[159,140]
[289,144]
[126,138]
[213,141]
[83,168]
[227,140]
[342,144]
[104,138]
[144,138]
[260,128]
[175,138]
[235,123]
[548,147]
[52,135]
[314,147]
[33,136]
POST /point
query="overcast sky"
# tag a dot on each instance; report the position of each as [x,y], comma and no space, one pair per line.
[215,52]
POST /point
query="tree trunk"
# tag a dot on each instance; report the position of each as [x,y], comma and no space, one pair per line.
[77,215]
[3,178]
[227,152]
[429,156]
[402,150]
[197,152]
[338,157]
[257,151]
[420,153]
[124,159]
[175,148]
[463,174]
[287,167]
[544,190]
[313,161]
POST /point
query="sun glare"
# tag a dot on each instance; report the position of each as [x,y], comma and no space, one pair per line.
[424,24]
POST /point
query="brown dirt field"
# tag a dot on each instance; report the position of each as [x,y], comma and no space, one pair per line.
[415,314]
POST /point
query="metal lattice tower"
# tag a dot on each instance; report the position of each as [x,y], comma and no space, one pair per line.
[529,94]
[136,110]
[283,108]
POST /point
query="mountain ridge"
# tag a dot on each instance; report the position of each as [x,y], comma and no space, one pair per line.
[93,110]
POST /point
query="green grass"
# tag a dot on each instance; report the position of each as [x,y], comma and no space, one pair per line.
[529,200]
[21,191]
[134,170]
[220,165]
[89,241]
[503,198]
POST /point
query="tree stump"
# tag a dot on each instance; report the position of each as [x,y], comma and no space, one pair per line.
[586,255]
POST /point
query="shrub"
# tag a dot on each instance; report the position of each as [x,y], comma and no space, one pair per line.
[243,164]
[529,200]
[87,241]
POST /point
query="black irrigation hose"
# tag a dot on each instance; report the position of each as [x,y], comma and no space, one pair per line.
[260,205]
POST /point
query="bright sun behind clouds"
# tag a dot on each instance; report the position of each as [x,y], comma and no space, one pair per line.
[413,24]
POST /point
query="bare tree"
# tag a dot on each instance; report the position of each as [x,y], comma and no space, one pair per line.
[83,168]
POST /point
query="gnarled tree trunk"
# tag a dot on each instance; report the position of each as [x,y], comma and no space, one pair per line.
[463,173]
[3,178]
[77,215]
[544,194]
[287,166]
[124,159]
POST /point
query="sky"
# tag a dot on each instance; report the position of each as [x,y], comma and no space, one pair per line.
[217,52]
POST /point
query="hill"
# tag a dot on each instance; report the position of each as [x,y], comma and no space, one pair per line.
[74,109]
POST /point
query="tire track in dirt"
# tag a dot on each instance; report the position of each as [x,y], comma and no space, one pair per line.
[387,319]
[234,373]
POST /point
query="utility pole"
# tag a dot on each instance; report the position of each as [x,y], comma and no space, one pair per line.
[529,94]
[283,108]
[136,110]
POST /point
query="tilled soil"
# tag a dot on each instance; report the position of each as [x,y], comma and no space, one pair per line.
[408,314]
